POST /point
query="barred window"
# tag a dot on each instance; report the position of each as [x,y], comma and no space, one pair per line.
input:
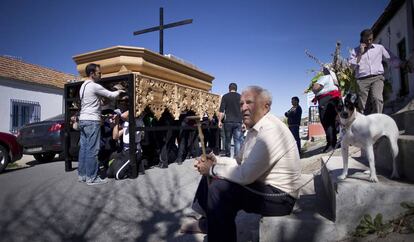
[313,114]
[23,112]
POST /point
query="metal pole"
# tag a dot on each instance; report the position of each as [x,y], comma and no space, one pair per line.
[68,161]
[161,31]
[132,128]
[218,141]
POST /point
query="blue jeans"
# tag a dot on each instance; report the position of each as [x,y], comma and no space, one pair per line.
[90,134]
[232,130]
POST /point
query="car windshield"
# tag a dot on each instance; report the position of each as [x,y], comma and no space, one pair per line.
[57,117]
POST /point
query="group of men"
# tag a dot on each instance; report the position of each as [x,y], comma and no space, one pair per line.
[99,130]
[268,162]
[367,62]
[262,163]
[264,175]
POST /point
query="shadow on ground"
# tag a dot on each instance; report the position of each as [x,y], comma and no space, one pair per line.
[19,165]
[149,208]
[312,152]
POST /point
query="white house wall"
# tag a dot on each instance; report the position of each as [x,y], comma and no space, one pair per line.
[50,100]
[398,31]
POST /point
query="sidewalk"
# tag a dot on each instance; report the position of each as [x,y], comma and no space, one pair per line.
[42,202]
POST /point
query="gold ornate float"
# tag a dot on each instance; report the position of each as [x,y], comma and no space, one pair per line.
[160,82]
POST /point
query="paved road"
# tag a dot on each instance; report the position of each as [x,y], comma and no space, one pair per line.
[42,202]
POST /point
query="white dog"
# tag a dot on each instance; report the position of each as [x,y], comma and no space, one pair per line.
[363,131]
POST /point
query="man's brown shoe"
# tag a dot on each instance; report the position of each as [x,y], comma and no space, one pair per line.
[195,227]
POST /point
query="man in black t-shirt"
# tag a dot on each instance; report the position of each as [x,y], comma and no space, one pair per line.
[230,106]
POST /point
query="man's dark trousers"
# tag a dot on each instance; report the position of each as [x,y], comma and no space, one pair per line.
[222,199]
[294,129]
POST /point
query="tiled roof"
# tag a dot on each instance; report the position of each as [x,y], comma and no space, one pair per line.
[18,70]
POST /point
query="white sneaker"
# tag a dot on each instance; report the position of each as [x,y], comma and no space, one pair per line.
[81,179]
[97,181]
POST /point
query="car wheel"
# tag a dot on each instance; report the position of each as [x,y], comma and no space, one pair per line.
[44,157]
[4,158]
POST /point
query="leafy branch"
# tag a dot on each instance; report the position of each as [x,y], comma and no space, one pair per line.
[343,71]
[370,226]
[404,224]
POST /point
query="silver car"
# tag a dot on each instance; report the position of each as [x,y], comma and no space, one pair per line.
[43,139]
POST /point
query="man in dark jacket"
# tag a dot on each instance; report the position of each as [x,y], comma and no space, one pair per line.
[294,116]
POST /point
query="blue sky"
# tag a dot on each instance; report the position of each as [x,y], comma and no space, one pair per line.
[250,42]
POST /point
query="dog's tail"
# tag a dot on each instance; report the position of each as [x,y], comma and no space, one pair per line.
[394,147]
[392,133]
[393,136]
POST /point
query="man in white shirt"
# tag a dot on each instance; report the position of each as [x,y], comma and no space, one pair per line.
[268,163]
[90,95]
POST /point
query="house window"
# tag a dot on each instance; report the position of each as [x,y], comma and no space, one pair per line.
[23,112]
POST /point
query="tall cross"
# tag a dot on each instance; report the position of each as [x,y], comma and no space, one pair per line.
[161,28]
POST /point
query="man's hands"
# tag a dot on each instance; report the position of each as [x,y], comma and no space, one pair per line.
[243,127]
[220,124]
[220,118]
[362,48]
[115,119]
[203,165]
[316,87]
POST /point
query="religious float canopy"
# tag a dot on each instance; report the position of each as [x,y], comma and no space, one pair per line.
[159,82]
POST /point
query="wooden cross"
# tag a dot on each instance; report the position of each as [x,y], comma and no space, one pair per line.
[161,28]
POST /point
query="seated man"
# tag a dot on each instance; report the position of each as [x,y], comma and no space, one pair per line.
[119,165]
[268,163]
[107,144]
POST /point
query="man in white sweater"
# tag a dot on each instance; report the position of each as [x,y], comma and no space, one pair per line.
[91,94]
[268,163]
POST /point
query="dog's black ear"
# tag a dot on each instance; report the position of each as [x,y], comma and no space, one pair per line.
[337,101]
[339,104]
